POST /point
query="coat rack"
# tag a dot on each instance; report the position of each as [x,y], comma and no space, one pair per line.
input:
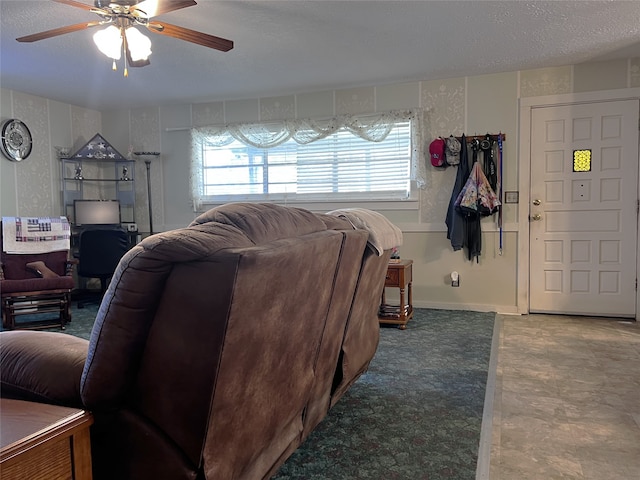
[494,137]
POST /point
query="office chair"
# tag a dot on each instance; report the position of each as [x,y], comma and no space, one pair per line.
[100,250]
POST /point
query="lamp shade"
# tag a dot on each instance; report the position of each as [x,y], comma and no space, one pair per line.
[109,41]
[139,44]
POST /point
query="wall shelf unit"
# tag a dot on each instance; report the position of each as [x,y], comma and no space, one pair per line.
[97,171]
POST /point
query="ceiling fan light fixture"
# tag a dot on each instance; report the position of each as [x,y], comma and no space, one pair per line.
[120,37]
[109,42]
[139,44]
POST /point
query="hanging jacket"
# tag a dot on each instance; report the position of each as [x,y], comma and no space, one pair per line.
[474,238]
[455,220]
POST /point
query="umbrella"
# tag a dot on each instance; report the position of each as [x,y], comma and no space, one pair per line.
[475,200]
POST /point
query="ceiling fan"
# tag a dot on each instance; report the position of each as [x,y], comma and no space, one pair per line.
[120,16]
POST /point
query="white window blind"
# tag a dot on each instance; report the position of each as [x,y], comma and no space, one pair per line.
[341,166]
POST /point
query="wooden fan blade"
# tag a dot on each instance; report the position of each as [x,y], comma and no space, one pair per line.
[157,7]
[57,31]
[73,3]
[192,36]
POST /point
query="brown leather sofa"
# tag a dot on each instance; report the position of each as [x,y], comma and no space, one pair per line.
[217,348]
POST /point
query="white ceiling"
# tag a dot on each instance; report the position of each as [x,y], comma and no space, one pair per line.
[293,46]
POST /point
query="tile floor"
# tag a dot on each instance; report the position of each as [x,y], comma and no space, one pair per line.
[566,399]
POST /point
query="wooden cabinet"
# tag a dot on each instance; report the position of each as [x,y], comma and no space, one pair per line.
[399,275]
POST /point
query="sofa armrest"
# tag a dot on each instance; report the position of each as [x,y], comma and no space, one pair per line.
[42,366]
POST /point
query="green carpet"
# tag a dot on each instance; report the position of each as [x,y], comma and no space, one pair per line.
[415,415]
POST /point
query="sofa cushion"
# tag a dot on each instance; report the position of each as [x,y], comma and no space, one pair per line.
[34,284]
[33,370]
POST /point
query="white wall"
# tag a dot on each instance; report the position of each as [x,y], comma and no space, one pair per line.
[473,105]
[32,187]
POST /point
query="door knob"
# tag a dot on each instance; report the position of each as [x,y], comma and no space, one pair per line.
[536,202]
[536,217]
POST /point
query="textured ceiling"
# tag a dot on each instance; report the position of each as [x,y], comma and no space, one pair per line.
[284,47]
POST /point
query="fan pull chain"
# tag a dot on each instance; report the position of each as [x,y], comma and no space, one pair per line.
[125,49]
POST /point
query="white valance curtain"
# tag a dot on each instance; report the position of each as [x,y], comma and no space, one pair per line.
[374,128]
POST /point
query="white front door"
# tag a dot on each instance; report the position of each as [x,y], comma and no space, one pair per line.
[583,212]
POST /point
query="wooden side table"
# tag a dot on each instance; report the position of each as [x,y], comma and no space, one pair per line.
[399,275]
[42,442]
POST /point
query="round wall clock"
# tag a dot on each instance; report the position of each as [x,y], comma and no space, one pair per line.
[16,140]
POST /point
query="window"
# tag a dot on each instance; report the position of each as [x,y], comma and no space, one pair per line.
[582,160]
[320,164]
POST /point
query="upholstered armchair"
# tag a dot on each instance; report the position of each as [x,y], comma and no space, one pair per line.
[35,284]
